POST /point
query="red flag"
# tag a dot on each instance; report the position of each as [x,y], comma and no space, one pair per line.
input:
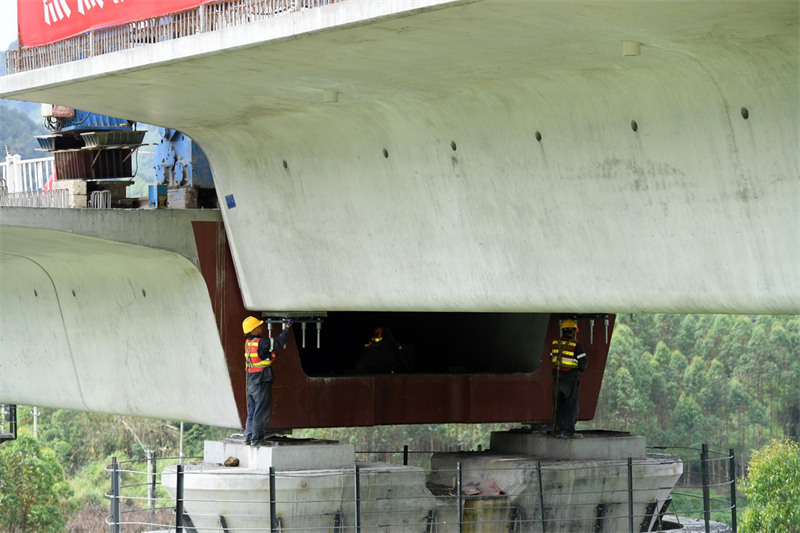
[46,21]
[49,185]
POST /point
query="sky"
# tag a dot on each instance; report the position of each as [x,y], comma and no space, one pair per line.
[8,23]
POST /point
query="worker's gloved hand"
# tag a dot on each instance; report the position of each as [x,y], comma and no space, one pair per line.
[289,321]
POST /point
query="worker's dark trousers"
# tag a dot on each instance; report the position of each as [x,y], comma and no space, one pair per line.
[565,400]
[259,410]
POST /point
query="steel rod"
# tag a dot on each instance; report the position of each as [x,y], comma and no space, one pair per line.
[630,494]
[732,475]
[706,495]
[179,500]
[273,504]
[541,493]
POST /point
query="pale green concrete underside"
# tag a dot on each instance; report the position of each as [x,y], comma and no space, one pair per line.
[424,187]
[96,325]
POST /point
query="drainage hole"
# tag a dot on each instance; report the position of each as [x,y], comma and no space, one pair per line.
[144,293]
[285,164]
[73,293]
[35,293]
[453,145]
[538,136]
[745,113]
[634,125]
[385,152]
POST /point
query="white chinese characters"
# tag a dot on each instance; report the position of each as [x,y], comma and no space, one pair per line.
[56,10]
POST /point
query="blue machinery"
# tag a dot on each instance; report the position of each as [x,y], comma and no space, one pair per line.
[99,149]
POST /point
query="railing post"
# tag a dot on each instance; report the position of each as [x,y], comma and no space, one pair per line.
[179,500]
[405,455]
[706,495]
[459,502]
[630,494]
[541,494]
[273,502]
[12,414]
[357,493]
[114,528]
[151,484]
[732,475]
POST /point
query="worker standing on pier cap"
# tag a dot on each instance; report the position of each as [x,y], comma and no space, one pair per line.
[569,361]
[259,353]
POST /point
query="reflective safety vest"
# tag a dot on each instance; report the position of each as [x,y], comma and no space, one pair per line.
[562,354]
[252,361]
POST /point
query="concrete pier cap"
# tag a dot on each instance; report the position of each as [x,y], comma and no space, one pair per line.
[593,446]
[283,454]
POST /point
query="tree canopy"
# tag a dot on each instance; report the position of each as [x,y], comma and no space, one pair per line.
[33,490]
[726,380]
[772,486]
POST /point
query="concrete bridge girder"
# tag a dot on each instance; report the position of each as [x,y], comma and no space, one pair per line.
[490,155]
[109,327]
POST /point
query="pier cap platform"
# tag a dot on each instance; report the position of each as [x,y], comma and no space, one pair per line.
[591,446]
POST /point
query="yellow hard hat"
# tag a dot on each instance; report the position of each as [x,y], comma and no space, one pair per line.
[569,323]
[250,323]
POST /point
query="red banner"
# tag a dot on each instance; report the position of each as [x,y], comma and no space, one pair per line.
[46,21]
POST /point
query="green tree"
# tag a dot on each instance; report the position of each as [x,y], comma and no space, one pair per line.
[689,420]
[33,491]
[772,486]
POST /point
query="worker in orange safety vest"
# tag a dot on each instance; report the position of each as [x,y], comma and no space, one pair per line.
[569,360]
[259,354]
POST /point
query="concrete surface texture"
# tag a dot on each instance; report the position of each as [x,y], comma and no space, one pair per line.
[489,155]
[98,325]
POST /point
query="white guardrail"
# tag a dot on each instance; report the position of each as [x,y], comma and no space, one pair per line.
[22,183]
[25,175]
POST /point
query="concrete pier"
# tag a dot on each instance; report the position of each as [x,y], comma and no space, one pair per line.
[584,481]
[525,481]
[314,489]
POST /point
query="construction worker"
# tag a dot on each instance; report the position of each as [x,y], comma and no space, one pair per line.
[569,361]
[259,353]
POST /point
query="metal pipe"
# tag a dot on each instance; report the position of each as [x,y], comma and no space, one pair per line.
[405,455]
[151,483]
[357,490]
[706,495]
[273,503]
[179,500]
[114,527]
[630,495]
[541,494]
[459,502]
[732,475]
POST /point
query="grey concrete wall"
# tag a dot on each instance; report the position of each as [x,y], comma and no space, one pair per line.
[164,229]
